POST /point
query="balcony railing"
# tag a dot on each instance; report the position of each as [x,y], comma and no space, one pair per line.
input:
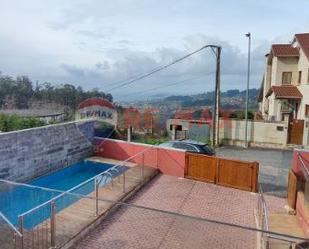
[268,239]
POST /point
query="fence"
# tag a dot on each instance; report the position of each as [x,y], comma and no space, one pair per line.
[10,237]
[56,221]
[135,226]
[269,240]
[226,172]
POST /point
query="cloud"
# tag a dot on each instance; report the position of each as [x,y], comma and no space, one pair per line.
[73,70]
[200,66]
[96,43]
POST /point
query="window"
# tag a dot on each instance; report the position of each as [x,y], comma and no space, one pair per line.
[286,77]
[299,77]
[307,110]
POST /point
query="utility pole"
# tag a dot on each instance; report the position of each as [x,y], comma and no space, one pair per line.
[247,91]
[215,114]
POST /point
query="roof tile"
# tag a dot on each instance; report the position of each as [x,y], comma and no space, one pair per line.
[303,40]
[281,50]
[285,92]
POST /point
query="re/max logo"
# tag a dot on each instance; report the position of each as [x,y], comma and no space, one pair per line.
[97,113]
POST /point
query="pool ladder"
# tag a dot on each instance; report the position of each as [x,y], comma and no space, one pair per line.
[107,175]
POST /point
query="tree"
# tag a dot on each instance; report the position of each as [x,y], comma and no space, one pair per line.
[20,92]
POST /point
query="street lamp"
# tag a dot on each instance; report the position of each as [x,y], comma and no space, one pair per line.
[247,91]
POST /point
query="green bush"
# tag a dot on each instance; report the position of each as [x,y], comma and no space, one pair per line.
[14,122]
[146,139]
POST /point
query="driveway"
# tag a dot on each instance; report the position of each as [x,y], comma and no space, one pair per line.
[274,165]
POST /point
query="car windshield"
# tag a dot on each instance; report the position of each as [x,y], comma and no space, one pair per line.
[206,149]
[166,144]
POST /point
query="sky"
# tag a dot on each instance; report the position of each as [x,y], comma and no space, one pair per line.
[97,43]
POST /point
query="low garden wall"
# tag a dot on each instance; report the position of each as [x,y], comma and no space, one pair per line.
[260,133]
[168,161]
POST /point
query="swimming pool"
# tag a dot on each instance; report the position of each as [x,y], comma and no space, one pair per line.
[20,199]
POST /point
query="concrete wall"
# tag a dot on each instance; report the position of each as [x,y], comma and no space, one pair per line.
[30,153]
[260,133]
[168,161]
[296,167]
[301,202]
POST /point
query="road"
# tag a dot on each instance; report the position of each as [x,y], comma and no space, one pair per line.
[274,165]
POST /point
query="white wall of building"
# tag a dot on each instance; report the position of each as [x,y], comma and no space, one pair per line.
[284,64]
[303,65]
[304,89]
[274,110]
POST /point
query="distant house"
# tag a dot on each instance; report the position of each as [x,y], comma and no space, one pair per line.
[188,129]
[285,85]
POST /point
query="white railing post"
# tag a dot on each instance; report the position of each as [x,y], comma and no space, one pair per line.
[267,242]
[157,158]
[52,224]
[96,186]
[142,168]
[119,176]
[124,182]
[21,230]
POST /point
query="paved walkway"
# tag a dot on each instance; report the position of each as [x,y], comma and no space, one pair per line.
[132,227]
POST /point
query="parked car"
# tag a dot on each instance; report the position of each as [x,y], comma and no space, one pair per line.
[190,146]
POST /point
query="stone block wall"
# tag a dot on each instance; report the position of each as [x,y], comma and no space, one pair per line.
[30,153]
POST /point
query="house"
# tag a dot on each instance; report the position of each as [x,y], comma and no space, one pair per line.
[285,86]
[188,129]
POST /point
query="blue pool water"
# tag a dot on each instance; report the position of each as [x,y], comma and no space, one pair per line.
[19,199]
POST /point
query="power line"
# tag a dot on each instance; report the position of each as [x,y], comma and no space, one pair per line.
[140,74]
[124,80]
[172,84]
[157,69]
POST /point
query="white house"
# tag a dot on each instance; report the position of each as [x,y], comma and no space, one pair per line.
[285,85]
[284,94]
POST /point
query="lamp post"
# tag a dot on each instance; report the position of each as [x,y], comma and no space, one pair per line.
[247,91]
